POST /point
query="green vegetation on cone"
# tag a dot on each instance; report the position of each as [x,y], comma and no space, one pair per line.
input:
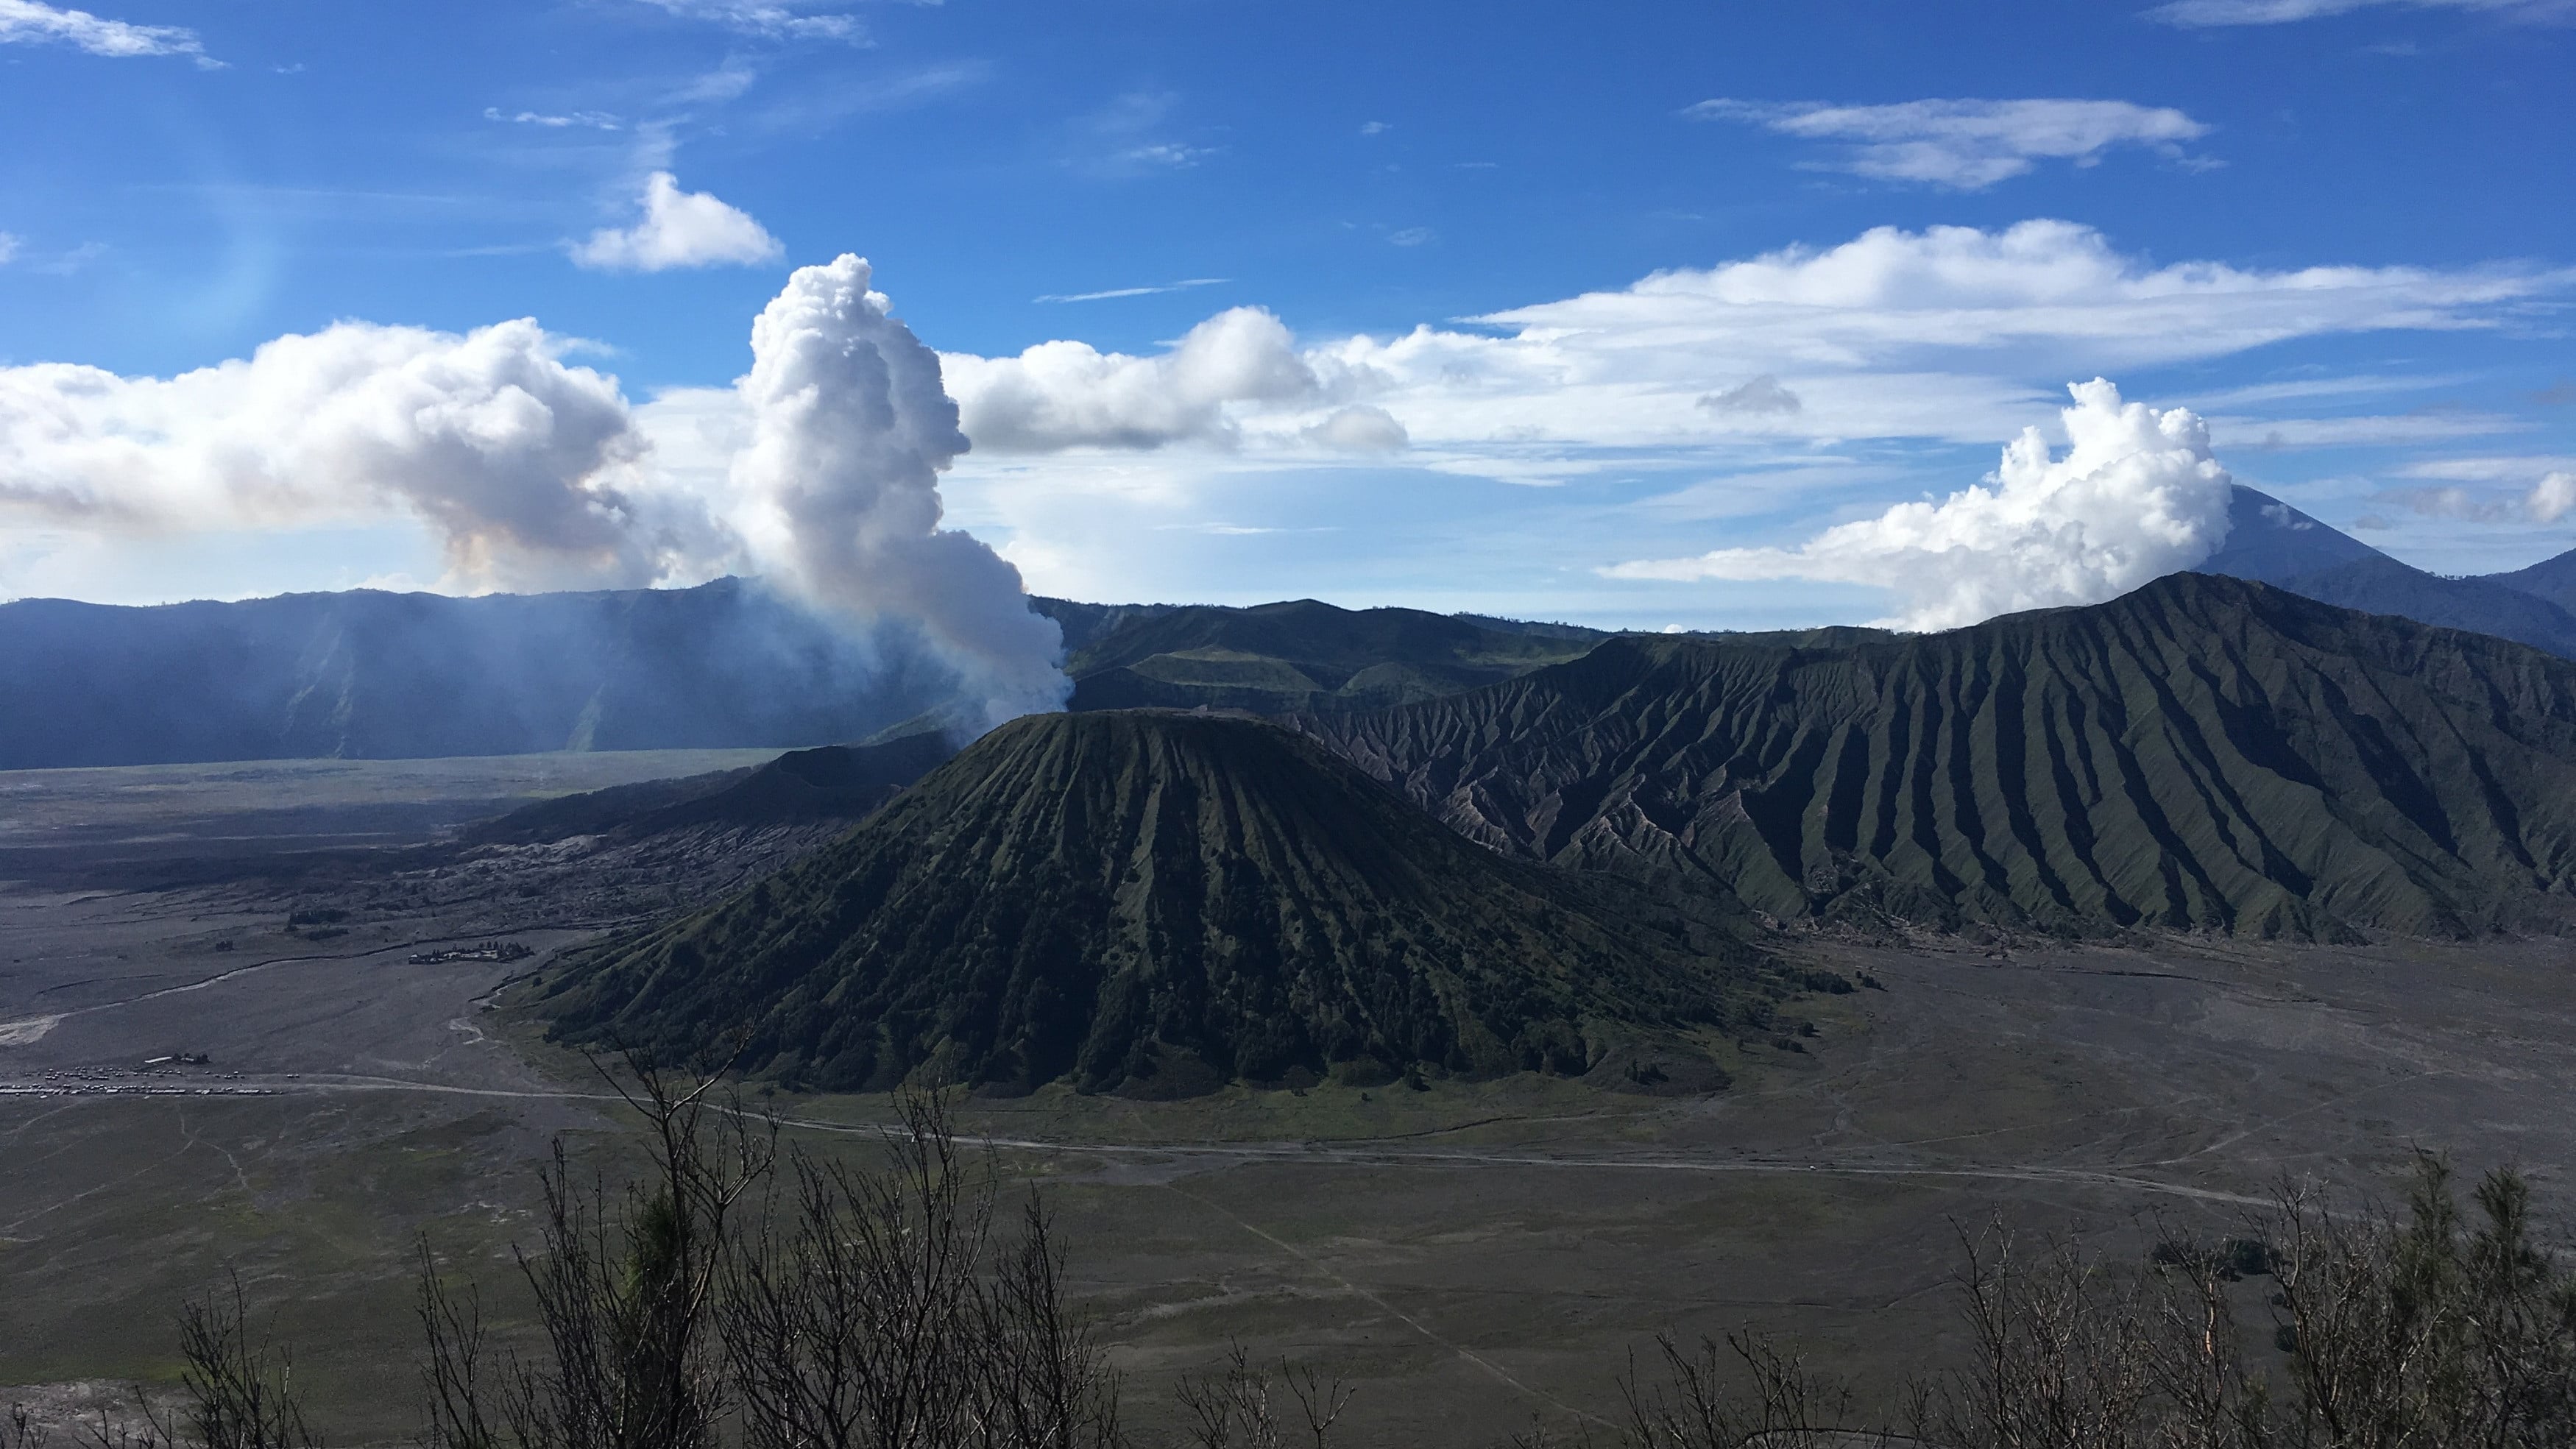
[1159,903]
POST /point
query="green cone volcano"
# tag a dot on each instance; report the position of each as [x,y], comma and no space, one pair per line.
[1160,902]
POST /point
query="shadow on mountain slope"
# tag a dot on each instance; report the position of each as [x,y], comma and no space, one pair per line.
[2203,754]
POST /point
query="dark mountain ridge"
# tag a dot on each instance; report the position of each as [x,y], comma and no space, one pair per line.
[2203,754]
[828,782]
[2551,579]
[2273,543]
[370,675]
[366,674]
[373,675]
[1156,903]
[1306,655]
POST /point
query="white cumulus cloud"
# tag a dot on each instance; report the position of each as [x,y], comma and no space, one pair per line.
[8,247]
[1757,395]
[679,229]
[1060,395]
[2552,498]
[1965,144]
[527,470]
[30,22]
[2136,496]
[1359,428]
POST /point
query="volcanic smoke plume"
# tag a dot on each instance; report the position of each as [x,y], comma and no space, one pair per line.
[850,432]
[533,474]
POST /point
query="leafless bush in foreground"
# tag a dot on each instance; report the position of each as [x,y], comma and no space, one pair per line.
[2425,1331]
[625,1290]
[859,1310]
[1244,1407]
[239,1395]
[881,1310]
[19,1429]
[1745,1390]
[898,1308]
[2428,1330]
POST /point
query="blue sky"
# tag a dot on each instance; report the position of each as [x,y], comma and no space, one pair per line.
[2336,231]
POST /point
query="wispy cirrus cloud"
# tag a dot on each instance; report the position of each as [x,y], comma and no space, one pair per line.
[1131,137]
[1164,154]
[1113,293]
[768,19]
[2324,386]
[2548,500]
[2430,425]
[584,120]
[13,250]
[31,22]
[1966,145]
[2198,14]
[2490,469]
[813,108]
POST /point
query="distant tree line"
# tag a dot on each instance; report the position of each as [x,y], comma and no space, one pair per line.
[741,1297]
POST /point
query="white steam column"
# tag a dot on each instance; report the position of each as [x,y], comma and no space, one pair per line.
[851,429]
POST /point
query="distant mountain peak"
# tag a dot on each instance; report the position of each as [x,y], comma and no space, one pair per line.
[2269,540]
[2272,542]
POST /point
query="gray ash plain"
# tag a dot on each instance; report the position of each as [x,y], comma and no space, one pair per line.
[1473,1255]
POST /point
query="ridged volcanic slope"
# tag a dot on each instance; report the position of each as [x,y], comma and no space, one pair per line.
[1159,902]
[2204,753]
